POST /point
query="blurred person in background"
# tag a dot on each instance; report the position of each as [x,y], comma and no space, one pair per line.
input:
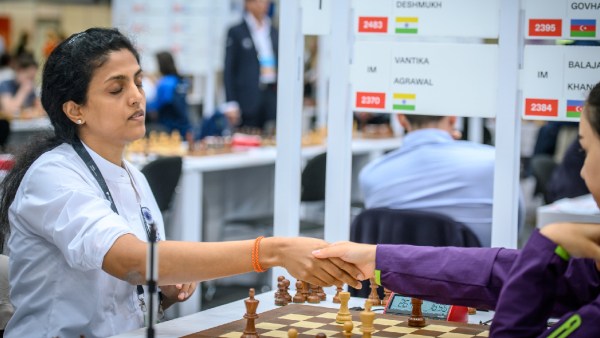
[250,74]
[169,107]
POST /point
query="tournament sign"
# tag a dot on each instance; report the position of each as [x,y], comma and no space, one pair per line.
[441,18]
[425,78]
[192,30]
[557,79]
[562,19]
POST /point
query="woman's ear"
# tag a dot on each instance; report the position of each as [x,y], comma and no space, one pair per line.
[73,112]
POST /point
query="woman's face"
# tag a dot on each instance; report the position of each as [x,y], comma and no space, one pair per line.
[590,142]
[115,109]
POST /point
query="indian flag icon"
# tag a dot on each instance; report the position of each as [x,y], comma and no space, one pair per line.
[404,102]
[407,25]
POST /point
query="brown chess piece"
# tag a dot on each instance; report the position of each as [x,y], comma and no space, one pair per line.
[386,296]
[313,296]
[373,296]
[288,297]
[299,296]
[292,333]
[279,279]
[322,295]
[472,310]
[280,299]
[348,327]
[366,318]
[305,291]
[250,316]
[343,314]
[336,298]
[416,318]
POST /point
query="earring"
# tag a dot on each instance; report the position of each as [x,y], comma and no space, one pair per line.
[79,122]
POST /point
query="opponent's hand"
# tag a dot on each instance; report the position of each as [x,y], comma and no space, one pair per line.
[300,263]
[177,293]
[361,255]
[579,239]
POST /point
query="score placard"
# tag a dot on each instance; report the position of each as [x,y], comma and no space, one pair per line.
[566,19]
[425,78]
[441,18]
[557,79]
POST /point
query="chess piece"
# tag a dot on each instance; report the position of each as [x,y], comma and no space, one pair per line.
[336,298]
[250,316]
[292,333]
[280,299]
[299,296]
[416,318]
[472,310]
[373,296]
[279,279]
[313,296]
[322,295]
[288,297]
[366,318]
[305,291]
[344,314]
[348,327]
[386,296]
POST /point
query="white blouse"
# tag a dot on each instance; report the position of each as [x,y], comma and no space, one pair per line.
[61,227]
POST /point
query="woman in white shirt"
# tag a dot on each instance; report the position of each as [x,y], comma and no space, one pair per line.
[73,208]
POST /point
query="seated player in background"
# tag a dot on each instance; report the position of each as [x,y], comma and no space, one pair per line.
[433,172]
[17,96]
[556,274]
[75,209]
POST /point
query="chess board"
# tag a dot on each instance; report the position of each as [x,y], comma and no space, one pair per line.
[311,320]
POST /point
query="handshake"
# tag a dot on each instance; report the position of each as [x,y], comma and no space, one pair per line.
[318,262]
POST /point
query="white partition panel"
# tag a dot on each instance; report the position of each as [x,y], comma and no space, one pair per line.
[508,130]
[339,126]
[289,122]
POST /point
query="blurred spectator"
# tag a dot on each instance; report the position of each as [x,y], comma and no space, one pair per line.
[169,107]
[23,44]
[18,95]
[250,74]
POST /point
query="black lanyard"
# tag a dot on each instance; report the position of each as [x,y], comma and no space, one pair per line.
[89,162]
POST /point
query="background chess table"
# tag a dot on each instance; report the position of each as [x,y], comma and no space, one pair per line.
[234,311]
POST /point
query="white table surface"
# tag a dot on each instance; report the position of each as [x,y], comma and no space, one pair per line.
[234,311]
[581,209]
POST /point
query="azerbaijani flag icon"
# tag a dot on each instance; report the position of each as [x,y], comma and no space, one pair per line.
[407,25]
[404,102]
[574,108]
[583,28]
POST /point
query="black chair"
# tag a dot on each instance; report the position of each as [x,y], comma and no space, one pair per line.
[542,167]
[163,176]
[414,227]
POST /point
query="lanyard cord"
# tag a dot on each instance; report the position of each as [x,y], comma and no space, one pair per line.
[89,162]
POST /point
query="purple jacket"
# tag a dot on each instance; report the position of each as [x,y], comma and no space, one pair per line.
[524,287]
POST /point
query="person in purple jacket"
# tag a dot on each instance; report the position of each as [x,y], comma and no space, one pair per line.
[556,274]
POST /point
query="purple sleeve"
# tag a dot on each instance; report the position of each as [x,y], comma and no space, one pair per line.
[447,275]
[540,277]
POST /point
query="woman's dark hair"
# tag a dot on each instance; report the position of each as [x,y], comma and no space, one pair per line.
[66,77]
[592,109]
[166,64]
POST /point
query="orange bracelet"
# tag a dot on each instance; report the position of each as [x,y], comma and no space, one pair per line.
[255,251]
